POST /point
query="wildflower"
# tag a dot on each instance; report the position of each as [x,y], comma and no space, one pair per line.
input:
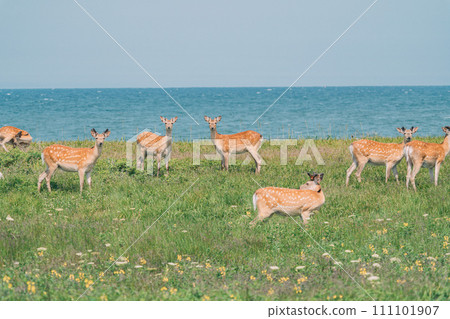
[205,298]
[173,291]
[71,277]
[270,291]
[420,269]
[88,282]
[283,279]
[252,278]
[142,261]
[405,224]
[401,282]
[384,230]
[188,258]
[163,289]
[41,253]
[31,288]
[6,279]
[207,265]
[363,271]
[445,245]
[179,257]
[165,279]
[248,213]
[222,271]
[103,298]
[302,279]
[385,251]
[111,258]
[433,235]
[269,277]
[298,290]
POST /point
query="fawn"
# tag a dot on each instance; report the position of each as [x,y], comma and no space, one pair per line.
[16,137]
[69,159]
[158,145]
[248,141]
[429,155]
[376,153]
[291,202]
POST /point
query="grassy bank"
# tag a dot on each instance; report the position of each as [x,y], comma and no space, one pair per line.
[202,248]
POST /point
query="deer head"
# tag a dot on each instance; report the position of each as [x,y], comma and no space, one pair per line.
[313,183]
[407,133]
[22,139]
[169,123]
[100,138]
[213,122]
[446,130]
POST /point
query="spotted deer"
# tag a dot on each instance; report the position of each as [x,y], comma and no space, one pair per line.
[69,159]
[14,136]
[371,152]
[429,155]
[155,144]
[230,144]
[290,202]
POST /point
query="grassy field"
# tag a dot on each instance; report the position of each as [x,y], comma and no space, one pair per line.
[392,242]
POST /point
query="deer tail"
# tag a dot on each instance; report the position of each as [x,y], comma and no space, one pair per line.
[255,198]
[350,148]
[42,158]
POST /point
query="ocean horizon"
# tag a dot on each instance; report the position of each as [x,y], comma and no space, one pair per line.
[303,112]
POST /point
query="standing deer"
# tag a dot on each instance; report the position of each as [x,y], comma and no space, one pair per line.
[291,202]
[429,155]
[16,137]
[376,153]
[158,145]
[248,141]
[69,159]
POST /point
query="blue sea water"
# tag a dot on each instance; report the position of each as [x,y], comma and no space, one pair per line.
[318,112]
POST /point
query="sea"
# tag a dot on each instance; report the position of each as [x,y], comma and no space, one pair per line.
[302,112]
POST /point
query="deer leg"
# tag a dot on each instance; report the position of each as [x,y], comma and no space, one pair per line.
[394,170]
[51,170]
[81,174]
[167,159]
[431,171]
[414,172]
[263,213]
[158,158]
[350,171]
[225,160]
[89,179]
[305,216]
[254,153]
[388,171]
[3,143]
[436,173]
[360,169]
[41,178]
[222,164]
[408,174]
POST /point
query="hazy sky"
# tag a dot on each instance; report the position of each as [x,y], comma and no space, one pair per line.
[52,43]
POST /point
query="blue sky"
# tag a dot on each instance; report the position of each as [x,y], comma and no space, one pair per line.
[52,43]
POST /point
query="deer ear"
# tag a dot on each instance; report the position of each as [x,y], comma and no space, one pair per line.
[400,130]
[414,129]
[94,133]
[207,119]
[162,119]
[106,132]
[173,120]
[446,129]
[321,176]
[219,118]
[19,135]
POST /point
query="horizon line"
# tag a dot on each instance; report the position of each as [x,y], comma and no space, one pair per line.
[221,87]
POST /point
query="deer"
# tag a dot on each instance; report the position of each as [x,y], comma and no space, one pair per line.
[429,155]
[70,159]
[158,145]
[226,144]
[291,202]
[14,136]
[376,153]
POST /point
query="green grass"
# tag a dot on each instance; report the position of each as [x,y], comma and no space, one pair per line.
[206,232]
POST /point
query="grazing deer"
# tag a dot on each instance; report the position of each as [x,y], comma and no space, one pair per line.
[69,159]
[376,153]
[16,137]
[248,141]
[158,145]
[429,155]
[291,202]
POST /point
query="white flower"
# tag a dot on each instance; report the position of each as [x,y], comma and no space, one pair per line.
[355,261]
[395,260]
[376,256]
[41,249]
[9,218]
[59,209]
[107,245]
[299,267]
[138,266]
[274,267]
[348,251]
[377,265]
[372,278]
[172,264]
